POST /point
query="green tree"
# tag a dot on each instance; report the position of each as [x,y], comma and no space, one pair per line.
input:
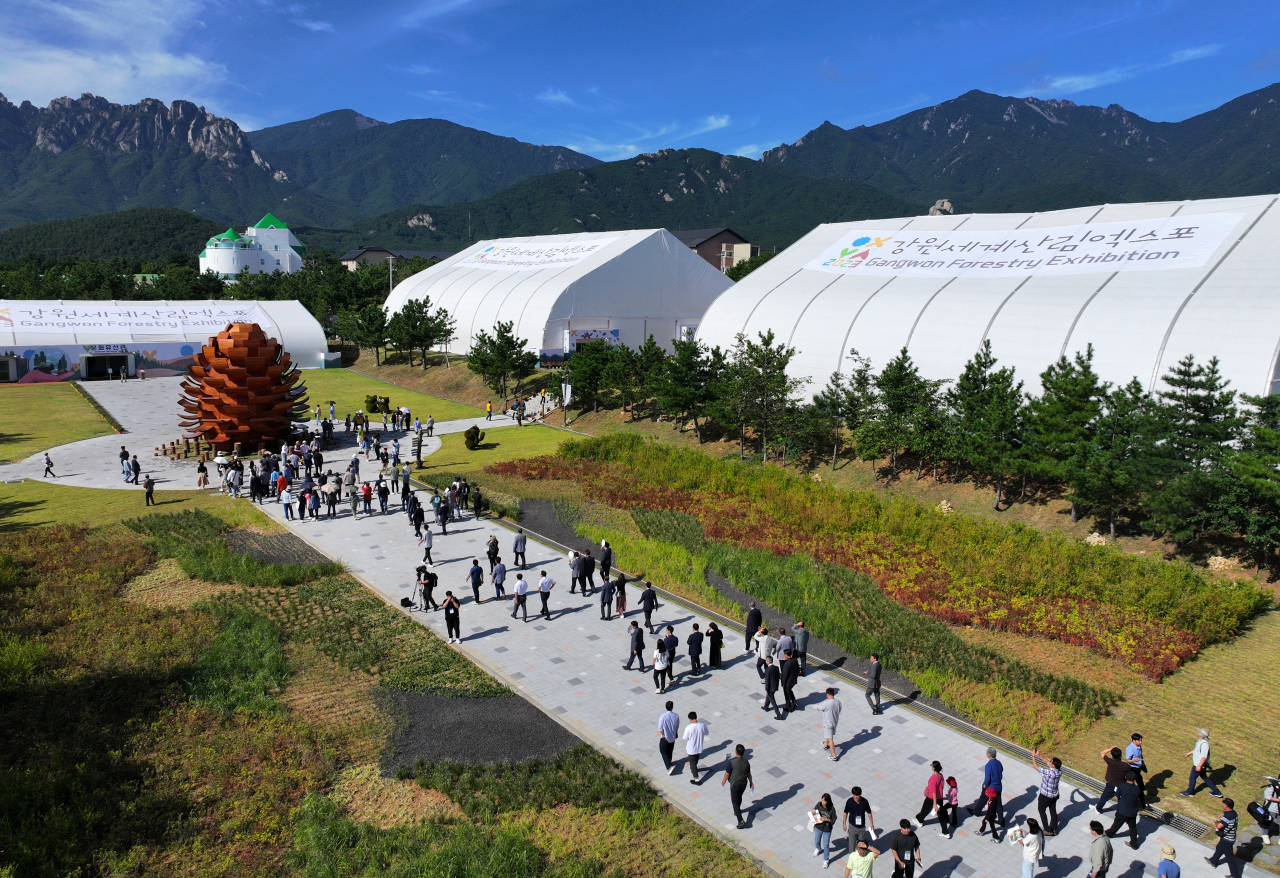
[683,388]
[756,389]
[1257,468]
[501,358]
[622,376]
[415,327]
[585,371]
[1110,466]
[987,403]
[850,402]
[909,409]
[650,361]
[1199,424]
[745,267]
[1062,418]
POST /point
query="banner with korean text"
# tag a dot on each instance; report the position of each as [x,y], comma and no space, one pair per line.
[1134,245]
[532,257]
[142,318]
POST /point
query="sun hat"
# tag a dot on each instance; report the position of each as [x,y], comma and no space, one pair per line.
[1167,851]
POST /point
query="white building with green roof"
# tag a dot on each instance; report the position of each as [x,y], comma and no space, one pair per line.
[263,248]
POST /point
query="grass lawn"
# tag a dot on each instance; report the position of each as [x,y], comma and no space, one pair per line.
[37,417]
[33,503]
[502,444]
[348,389]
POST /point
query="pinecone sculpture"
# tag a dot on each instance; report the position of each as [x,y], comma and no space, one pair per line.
[241,388]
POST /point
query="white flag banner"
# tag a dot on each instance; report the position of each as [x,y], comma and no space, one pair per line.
[141,318]
[1134,245]
[533,256]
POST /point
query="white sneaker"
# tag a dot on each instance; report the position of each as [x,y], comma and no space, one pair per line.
[945,834]
[817,852]
[826,864]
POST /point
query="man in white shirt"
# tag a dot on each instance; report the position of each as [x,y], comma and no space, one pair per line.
[545,584]
[694,734]
[521,597]
[1200,766]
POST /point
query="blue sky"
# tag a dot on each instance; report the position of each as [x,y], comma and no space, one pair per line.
[616,78]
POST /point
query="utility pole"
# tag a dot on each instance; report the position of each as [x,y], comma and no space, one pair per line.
[391,272]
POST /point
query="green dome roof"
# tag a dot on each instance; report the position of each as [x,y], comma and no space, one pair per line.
[228,235]
[270,222]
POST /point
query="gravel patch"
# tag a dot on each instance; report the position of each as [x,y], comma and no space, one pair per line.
[469,730]
[283,548]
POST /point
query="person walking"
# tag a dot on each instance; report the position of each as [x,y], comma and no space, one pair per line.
[575,574]
[366,498]
[1127,809]
[498,576]
[1032,848]
[1168,866]
[648,603]
[1136,759]
[135,470]
[738,776]
[149,485]
[801,637]
[521,604]
[672,644]
[1099,851]
[620,594]
[858,821]
[48,467]
[872,673]
[419,517]
[933,795]
[823,818]
[860,861]
[545,584]
[452,617]
[786,643]
[830,710]
[1116,769]
[637,647]
[488,411]
[606,601]
[772,681]
[475,576]
[905,847]
[990,814]
[993,780]
[202,475]
[694,735]
[950,806]
[427,541]
[384,495]
[491,551]
[790,675]
[765,647]
[754,619]
[1047,802]
[355,501]
[286,501]
[606,559]
[517,548]
[124,462]
[715,645]
[694,644]
[1200,766]
[1227,825]
[668,731]
[661,668]
[427,581]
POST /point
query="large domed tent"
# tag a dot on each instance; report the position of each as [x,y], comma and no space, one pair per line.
[1145,284]
[563,290]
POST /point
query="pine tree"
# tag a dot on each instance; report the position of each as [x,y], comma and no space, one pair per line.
[650,359]
[622,376]
[849,402]
[501,357]
[1111,467]
[416,327]
[585,371]
[683,388]
[1257,468]
[1063,417]
[987,403]
[754,389]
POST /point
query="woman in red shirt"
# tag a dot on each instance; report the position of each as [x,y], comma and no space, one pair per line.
[933,799]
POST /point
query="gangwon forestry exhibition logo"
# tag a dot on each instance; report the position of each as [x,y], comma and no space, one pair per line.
[853,255]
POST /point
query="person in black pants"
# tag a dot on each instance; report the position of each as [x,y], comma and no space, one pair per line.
[606,560]
[694,642]
[606,601]
[518,547]
[1127,809]
[648,603]
[417,517]
[588,573]
[772,681]
[790,673]
[452,617]
[427,582]
[637,647]
[1047,802]
[1225,850]
[476,577]
[754,618]
[872,674]
[738,776]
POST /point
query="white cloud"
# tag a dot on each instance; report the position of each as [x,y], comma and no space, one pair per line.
[711,123]
[418,69]
[124,50]
[315,26]
[751,151]
[557,96]
[1052,86]
[446,97]
[431,9]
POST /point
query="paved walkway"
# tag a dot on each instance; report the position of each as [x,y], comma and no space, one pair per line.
[571,667]
[148,410]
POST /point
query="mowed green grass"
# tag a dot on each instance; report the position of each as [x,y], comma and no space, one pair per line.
[348,389]
[37,417]
[34,503]
[500,445]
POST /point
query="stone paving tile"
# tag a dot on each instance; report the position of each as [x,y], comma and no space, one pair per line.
[887,755]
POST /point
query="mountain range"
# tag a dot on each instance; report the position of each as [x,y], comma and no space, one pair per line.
[344,179]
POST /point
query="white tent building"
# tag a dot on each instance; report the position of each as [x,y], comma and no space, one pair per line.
[57,340]
[563,290]
[1145,284]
